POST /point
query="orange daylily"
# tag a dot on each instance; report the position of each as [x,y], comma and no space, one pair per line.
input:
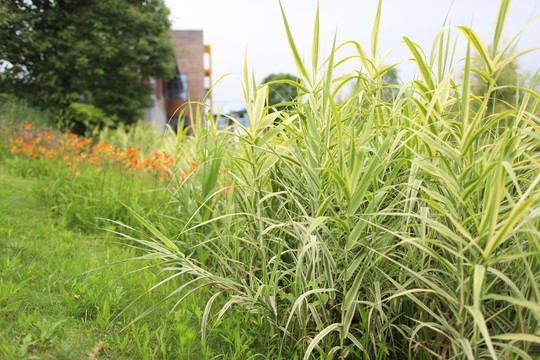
[132,152]
[78,152]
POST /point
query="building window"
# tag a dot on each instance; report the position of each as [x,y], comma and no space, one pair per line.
[177,87]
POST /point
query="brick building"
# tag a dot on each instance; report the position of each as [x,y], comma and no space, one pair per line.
[191,83]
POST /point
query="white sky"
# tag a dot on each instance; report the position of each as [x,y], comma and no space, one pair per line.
[232,26]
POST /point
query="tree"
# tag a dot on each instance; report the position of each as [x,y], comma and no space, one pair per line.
[390,82]
[390,77]
[506,79]
[280,92]
[97,52]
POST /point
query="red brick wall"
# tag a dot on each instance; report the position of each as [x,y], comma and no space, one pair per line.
[189,51]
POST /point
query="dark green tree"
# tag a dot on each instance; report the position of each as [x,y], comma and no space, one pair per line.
[280,92]
[96,52]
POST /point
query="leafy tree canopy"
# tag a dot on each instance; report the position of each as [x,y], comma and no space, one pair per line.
[280,92]
[98,52]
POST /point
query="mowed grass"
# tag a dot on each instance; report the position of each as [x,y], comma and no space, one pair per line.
[59,299]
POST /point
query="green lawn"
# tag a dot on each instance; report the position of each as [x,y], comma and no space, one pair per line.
[58,298]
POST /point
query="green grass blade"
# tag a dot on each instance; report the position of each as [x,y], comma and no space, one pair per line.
[297,58]
[425,71]
[316,47]
[375,33]
[319,337]
[499,28]
[480,48]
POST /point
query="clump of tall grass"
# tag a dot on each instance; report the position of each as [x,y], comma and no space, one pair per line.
[374,227]
[17,111]
[146,137]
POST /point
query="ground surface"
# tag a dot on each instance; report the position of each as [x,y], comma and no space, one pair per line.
[58,297]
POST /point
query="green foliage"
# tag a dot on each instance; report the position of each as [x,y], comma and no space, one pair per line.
[86,119]
[66,294]
[280,91]
[93,52]
[145,136]
[81,197]
[60,303]
[390,77]
[370,227]
[17,111]
[504,93]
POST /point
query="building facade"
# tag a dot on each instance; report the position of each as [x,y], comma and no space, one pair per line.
[171,98]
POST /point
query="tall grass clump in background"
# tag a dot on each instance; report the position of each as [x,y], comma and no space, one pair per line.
[403,226]
[13,110]
[146,137]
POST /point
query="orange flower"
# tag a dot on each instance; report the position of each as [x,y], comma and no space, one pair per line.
[74,136]
[132,152]
[77,174]
[27,137]
[147,162]
[36,155]
[165,173]
[28,126]
[194,164]
[228,187]
[134,163]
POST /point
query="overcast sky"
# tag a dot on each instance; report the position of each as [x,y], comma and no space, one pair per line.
[232,26]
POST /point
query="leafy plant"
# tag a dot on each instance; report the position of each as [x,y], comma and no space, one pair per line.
[86,119]
[372,227]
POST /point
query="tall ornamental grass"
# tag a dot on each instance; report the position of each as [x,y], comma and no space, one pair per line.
[399,222]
